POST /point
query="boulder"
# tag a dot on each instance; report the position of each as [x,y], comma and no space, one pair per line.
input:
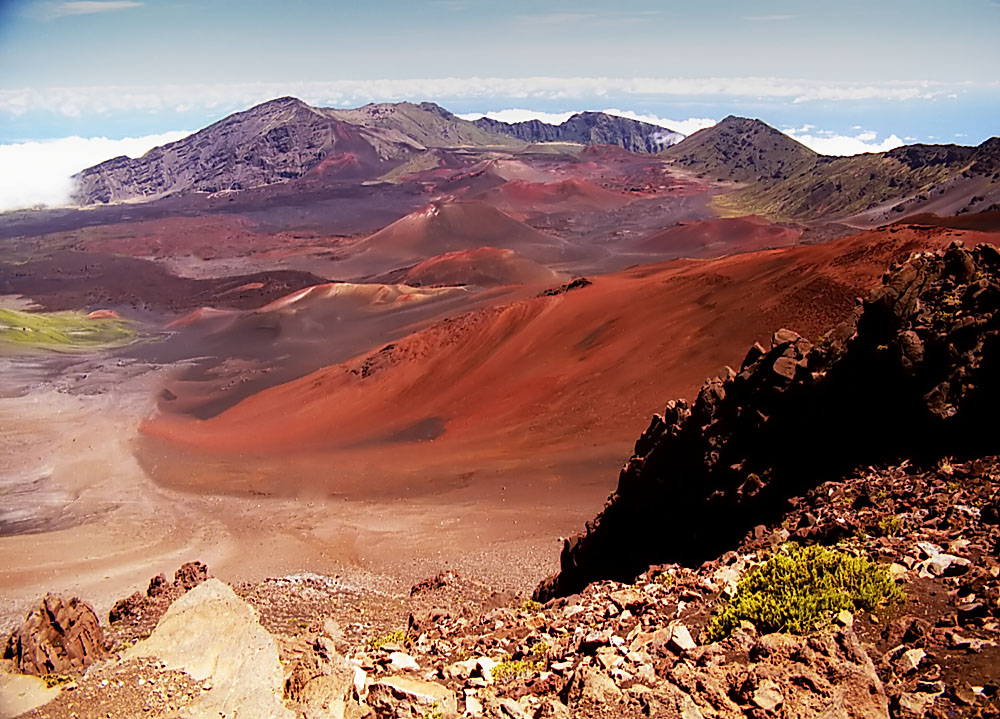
[215,637]
[323,684]
[58,636]
[20,693]
[400,697]
[588,688]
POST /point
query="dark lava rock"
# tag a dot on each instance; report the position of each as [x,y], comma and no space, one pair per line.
[914,373]
[58,636]
[159,595]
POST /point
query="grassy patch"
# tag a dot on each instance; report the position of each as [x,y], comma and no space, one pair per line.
[799,589]
[62,330]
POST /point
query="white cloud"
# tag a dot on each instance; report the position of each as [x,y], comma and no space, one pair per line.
[38,172]
[685,127]
[826,143]
[52,10]
[226,97]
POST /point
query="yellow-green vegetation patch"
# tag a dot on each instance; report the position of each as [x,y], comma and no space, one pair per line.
[62,330]
[509,669]
[531,606]
[399,637]
[799,589]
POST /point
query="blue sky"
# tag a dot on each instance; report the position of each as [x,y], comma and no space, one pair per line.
[888,71]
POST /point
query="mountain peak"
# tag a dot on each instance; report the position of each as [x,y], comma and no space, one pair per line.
[742,149]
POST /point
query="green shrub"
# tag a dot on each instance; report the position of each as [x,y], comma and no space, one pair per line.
[799,589]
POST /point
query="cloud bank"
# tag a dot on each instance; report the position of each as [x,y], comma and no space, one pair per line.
[53,10]
[826,142]
[75,101]
[37,173]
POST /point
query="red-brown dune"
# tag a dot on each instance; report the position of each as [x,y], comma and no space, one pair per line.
[570,195]
[560,373]
[708,238]
[483,266]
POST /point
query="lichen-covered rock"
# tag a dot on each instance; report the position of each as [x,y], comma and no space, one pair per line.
[59,635]
[913,374]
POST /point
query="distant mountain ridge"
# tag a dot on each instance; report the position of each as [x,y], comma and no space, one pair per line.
[281,140]
[285,139]
[589,128]
[785,179]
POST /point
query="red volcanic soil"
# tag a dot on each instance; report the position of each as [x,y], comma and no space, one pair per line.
[207,238]
[453,226]
[707,238]
[483,266]
[552,376]
[981,221]
[227,355]
[465,180]
[571,195]
[69,279]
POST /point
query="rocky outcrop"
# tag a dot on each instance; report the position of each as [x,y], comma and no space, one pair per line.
[590,128]
[146,609]
[913,373]
[323,684]
[401,697]
[58,636]
[214,636]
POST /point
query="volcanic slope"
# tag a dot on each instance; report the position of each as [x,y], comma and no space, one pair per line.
[743,150]
[552,374]
[279,141]
[708,238]
[483,266]
[426,123]
[229,355]
[785,179]
[571,195]
[452,226]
